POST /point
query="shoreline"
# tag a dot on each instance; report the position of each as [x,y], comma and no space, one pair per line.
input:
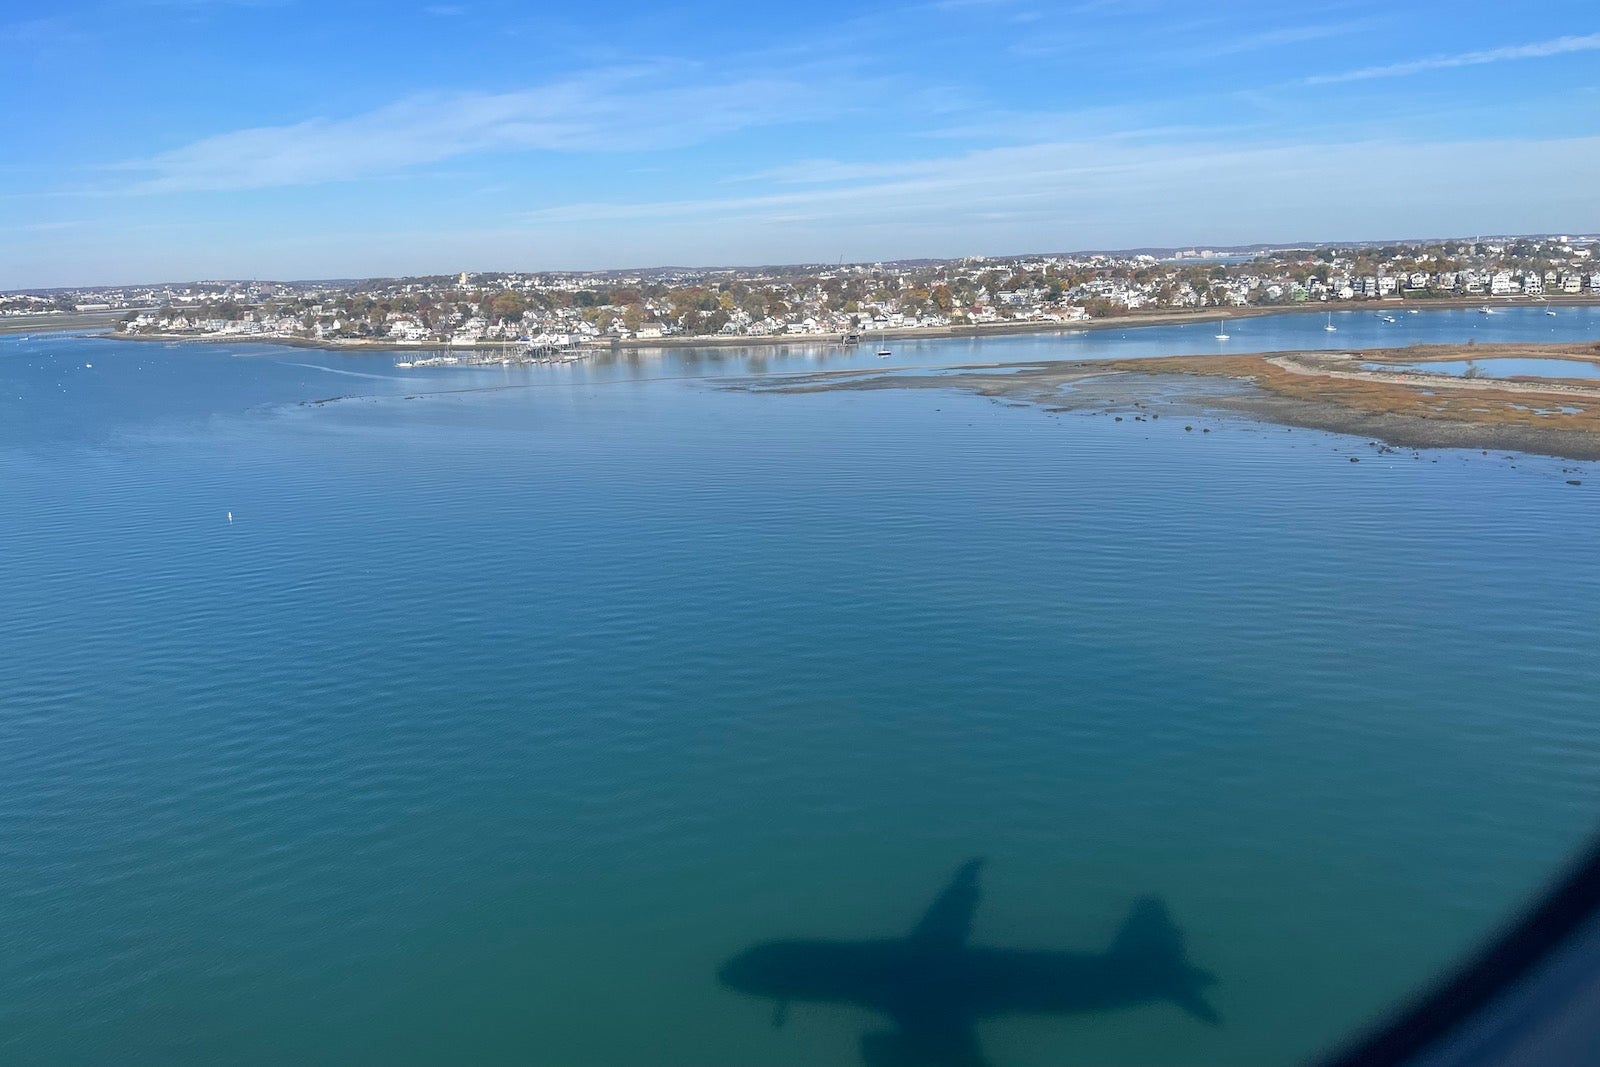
[1330,391]
[1132,320]
[352,347]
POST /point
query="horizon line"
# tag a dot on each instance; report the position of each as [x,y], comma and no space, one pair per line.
[1257,246]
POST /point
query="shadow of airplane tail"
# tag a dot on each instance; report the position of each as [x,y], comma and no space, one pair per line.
[1151,942]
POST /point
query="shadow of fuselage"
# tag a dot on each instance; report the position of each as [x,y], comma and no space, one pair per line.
[934,986]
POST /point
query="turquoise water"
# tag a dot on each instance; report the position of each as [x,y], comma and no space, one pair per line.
[497,719]
[1502,367]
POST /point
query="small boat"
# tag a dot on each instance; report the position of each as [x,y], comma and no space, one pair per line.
[1486,310]
[1330,327]
[1551,312]
[883,348]
[1388,318]
[1222,333]
[1412,311]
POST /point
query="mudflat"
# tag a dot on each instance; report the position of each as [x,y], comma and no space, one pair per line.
[1388,394]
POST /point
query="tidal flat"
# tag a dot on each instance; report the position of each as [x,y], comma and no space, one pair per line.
[1386,393]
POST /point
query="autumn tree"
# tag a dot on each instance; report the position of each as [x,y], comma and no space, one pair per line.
[507,304]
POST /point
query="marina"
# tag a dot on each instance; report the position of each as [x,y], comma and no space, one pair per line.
[510,354]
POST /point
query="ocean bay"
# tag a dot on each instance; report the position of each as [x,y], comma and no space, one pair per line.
[500,717]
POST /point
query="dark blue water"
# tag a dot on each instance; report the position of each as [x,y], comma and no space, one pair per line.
[498,718]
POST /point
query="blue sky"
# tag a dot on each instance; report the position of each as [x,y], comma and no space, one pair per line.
[150,140]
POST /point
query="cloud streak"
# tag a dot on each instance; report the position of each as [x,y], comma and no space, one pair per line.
[1538,50]
[612,111]
[1048,187]
[1285,36]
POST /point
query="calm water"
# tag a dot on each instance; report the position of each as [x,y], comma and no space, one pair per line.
[1502,368]
[500,717]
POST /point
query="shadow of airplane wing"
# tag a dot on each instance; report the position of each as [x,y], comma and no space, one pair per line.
[924,1043]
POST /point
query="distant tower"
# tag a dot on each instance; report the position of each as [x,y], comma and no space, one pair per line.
[463,281]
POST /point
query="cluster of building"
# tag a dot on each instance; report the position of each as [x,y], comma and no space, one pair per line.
[117,298]
[563,309]
[28,304]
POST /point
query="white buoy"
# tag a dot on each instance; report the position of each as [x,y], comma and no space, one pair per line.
[230,516]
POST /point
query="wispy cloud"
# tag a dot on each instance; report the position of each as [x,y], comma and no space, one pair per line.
[617,110]
[1085,146]
[51,33]
[1538,50]
[206,5]
[1029,127]
[1283,37]
[1048,183]
[1049,177]
[1123,8]
[967,5]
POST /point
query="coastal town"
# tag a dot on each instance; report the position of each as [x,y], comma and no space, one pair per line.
[547,314]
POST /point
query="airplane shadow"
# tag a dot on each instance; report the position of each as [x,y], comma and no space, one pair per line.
[934,986]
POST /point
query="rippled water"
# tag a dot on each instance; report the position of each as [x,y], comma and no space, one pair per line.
[498,718]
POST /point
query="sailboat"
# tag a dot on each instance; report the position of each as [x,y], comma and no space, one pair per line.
[1222,330]
[883,347]
[1330,327]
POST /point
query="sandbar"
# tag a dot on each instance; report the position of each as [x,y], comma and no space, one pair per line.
[1366,393]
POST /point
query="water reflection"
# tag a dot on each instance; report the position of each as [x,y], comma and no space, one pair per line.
[1497,367]
[935,987]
